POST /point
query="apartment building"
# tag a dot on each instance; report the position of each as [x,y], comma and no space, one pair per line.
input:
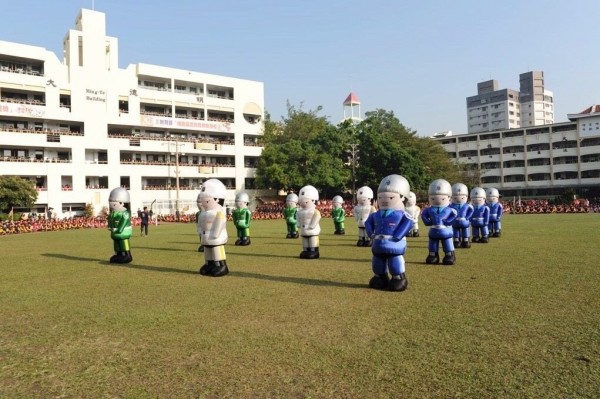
[537,161]
[79,127]
[499,109]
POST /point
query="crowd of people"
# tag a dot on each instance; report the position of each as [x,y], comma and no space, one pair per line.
[273,210]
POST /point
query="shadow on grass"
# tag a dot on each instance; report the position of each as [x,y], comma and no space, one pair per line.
[296,280]
[129,265]
[295,257]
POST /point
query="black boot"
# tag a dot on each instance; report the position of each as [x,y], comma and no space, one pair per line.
[245,241]
[342,232]
[497,234]
[379,281]
[449,258]
[207,268]
[416,233]
[238,241]
[476,239]
[465,243]
[432,258]
[201,248]
[367,242]
[127,258]
[398,283]
[289,235]
[484,240]
[312,253]
[220,269]
[456,243]
[113,259]
[304,254]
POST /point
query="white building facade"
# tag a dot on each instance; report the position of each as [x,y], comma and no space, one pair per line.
[540,161]
[81,127]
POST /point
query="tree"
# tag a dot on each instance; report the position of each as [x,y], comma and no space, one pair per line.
[303,149]
[16,192]
[388,147]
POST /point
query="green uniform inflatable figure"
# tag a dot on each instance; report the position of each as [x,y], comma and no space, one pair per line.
[119,224]
[289,214]
[339,215]
[241,219]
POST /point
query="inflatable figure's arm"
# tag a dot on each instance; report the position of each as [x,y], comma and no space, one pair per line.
[451,215]
[486,215]
[500,210]
[314,221]
[357,213]
[370,225]
[217,226]
[426,218]
[469,212]
[406,223]
[123,221]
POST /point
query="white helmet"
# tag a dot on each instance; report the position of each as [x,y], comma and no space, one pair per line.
[492,193]
[213,188]
[364,193]
[394,184]
[119,194]
[412,199]
[440,186]
[337,200]
[478,192]
[242,197]
[309,192]
[459,189]
[292,198]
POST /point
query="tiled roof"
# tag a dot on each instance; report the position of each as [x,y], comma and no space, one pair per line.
[352,99]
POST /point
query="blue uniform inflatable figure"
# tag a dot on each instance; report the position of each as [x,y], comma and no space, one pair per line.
[464,211]
[362,210]
[388,228]
[493,202]
[439,217]
[480,217]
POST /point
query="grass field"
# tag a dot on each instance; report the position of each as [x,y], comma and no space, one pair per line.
[515,318]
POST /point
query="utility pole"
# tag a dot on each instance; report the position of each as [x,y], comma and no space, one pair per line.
[353,161]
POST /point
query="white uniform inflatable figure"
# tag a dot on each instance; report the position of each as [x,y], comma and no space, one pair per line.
[493,202]
[308,219]
[464,212]
[480,217]
[362,210]
[212,227]
[388,228]
[439,216]
[414,212]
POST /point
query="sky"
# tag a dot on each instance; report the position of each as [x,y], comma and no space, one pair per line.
[419,59]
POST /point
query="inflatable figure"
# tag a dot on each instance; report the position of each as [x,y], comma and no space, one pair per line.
[464,212]
[212,227]
[493,202]
[480,217]
[414,212]
[439,217]
[241,219]
[339,215]
[119,224]
[308,219]
[362,210]
[289,214]
[388,228]
[200,247]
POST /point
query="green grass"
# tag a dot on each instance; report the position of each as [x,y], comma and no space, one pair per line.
[515,318]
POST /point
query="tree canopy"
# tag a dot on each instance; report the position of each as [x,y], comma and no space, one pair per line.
[304,148]
[16,192]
